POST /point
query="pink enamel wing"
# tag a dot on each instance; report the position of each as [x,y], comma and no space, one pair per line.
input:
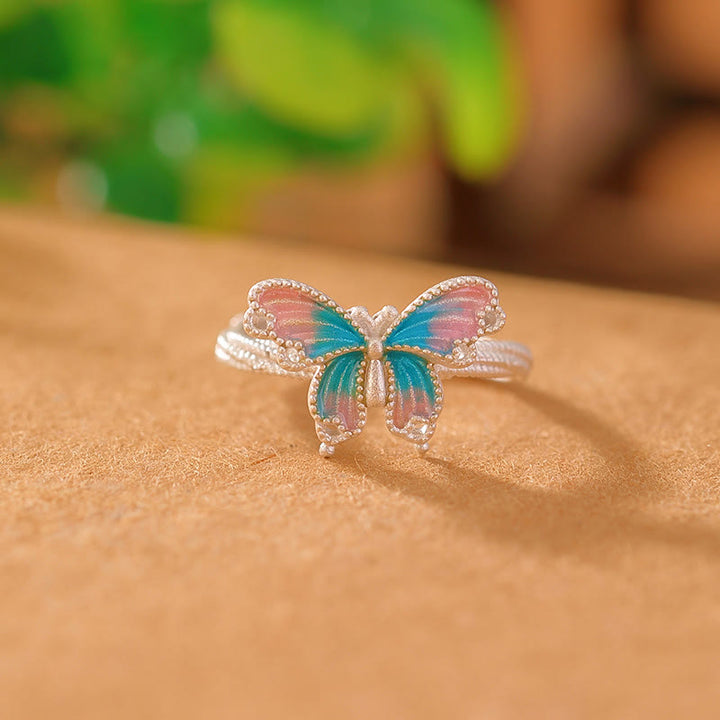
[390,359]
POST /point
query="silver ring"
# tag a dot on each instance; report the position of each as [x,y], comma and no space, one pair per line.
[391,359]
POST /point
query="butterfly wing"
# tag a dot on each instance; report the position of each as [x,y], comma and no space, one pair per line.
[445,321]
[439,327]
[414,397]
[308,327]
[337,398]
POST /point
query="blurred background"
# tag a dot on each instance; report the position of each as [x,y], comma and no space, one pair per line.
[553,137]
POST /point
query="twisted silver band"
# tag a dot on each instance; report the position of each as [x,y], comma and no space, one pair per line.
[499,360]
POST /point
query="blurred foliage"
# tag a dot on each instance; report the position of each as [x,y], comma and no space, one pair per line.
[180,109]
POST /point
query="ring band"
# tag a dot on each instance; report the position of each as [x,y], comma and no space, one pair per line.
[499,360]
[355,360]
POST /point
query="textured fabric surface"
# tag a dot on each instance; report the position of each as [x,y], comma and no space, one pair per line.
[172,545]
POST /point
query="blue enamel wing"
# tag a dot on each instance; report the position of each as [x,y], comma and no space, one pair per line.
[389,359]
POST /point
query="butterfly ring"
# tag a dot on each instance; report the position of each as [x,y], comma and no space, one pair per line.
[391,359]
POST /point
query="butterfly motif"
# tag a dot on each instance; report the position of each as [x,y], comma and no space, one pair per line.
[358,360]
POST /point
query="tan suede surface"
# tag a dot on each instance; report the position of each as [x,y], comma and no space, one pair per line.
[172,545]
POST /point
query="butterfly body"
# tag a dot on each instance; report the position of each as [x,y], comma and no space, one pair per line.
[374,328]
[389,359]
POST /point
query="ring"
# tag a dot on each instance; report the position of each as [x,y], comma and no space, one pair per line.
[391,359]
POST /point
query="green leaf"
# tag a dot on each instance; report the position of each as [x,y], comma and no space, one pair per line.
[300,66]
[32,49]
[142,183]
[11,10]
[461,48]
[176,33]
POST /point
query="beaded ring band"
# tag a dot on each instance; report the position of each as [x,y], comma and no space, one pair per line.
[391,359]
